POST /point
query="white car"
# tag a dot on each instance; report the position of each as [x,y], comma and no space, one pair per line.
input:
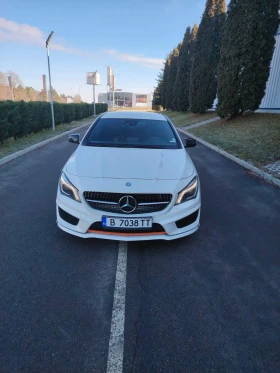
[129,179]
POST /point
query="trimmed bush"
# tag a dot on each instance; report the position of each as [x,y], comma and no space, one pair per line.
[21,118]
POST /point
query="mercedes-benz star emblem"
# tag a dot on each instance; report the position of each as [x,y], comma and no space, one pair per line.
[127,204]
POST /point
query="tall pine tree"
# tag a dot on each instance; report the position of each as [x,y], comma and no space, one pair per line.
[157,92]
[246,52]
[203,84]
[172,77]
[165,81]
[180,91]
[191,56]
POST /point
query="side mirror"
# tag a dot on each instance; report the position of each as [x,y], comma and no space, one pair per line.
[74,138]
[190,143]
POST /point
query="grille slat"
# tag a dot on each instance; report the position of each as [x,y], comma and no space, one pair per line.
[97,200]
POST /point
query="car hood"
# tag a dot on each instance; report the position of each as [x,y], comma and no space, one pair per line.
[127,163]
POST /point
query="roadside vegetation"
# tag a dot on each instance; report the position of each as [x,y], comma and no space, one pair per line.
[186,118]
[12,88]
[221,58]
[19,118]
[11,145]
[254,138]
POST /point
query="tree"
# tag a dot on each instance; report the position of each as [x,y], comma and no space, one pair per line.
[63,98]
[15,79]
[3,79]
[56,97]
[175,86]
[172,77]
[31,94]
[156,103]
[5,92]
[16,82]
[203,84]
[181,86]
[165,81]
[246,52]
[20,94]
[191,56]
[41,96]
[77,99]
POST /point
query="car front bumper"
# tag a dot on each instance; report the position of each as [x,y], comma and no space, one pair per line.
[86,216]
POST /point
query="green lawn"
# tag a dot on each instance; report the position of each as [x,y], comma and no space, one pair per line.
[182,119]
[254,138]
[11,146]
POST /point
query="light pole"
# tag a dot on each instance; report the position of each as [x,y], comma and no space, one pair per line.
[51,97]
[94,83]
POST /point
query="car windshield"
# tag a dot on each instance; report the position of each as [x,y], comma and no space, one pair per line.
[133,133]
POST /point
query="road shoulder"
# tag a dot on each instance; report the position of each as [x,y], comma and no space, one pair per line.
[22,152]
[241,162]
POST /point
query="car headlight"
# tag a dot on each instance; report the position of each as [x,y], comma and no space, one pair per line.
[68,189]
[189,192]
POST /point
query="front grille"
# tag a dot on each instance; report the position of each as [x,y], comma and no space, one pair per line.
[109,202]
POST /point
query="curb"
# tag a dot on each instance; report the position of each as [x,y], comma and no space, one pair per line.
[15,155]
[247,165]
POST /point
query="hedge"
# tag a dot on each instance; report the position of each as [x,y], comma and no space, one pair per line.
[19,118]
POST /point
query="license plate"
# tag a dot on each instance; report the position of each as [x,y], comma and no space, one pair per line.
[125,223]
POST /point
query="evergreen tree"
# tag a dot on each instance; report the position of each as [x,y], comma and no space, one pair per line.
[175,85]
[172,77]
[191,56]
[181,87]
[246,52]
[165,81]
[156,103]
[55,95]
[203,84]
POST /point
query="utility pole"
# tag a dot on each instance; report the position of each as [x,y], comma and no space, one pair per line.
[94,83]
[94,110]
[113,89]
[51,96]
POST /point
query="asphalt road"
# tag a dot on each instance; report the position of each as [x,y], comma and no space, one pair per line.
[206,303]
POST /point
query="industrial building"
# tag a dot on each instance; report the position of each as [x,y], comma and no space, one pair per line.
[271,100]
[126,99]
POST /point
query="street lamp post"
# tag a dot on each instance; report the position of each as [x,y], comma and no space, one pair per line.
[50,83]
[94,108]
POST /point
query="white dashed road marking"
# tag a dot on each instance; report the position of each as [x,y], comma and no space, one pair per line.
[116,342]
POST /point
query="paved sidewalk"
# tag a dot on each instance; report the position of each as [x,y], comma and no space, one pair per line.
[198,124]
[274,168]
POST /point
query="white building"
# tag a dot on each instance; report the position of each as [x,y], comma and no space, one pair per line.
[126,99]
[271,100]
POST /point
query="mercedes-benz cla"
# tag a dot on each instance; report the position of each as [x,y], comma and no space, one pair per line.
[129,179]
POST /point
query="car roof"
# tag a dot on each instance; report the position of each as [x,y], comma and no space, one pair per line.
[134,115]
